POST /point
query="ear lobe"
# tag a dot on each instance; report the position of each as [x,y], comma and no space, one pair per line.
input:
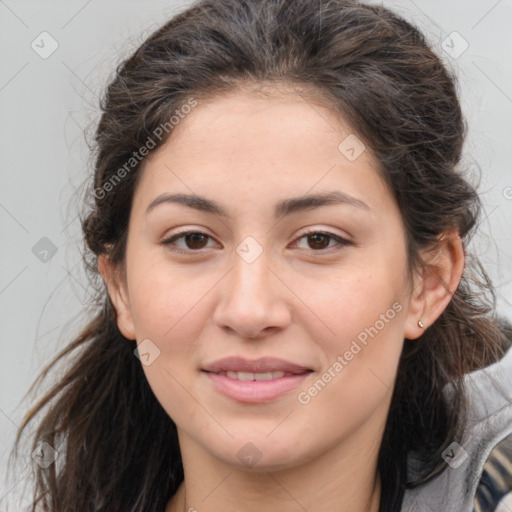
[118,295]
[436,285]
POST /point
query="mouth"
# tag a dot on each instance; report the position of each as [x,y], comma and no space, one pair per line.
[247,376]
[263,365]
[258,381]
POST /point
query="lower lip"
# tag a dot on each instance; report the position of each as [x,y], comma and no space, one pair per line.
[255,391]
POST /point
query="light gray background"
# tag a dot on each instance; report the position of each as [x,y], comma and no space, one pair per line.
[46,104]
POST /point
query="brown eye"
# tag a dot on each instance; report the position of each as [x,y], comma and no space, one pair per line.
[319,241]
[194,241]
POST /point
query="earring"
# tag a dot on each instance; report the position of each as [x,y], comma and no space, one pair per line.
[420,323]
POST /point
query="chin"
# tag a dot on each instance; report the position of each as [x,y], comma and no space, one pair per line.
[262,454]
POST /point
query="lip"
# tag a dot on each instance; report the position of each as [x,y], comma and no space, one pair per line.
[264,364]
[255,391]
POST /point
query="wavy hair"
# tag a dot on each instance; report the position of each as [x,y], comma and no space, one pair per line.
[118,449]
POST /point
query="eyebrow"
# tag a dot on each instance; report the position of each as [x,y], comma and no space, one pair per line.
[282,208]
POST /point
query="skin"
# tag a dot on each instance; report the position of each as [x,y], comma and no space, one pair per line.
[298,301]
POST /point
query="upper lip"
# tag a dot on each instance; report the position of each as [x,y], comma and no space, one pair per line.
[262,365]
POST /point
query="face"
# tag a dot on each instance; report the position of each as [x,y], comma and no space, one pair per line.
[271,325]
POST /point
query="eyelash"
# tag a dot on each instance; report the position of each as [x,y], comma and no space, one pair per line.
[167,242]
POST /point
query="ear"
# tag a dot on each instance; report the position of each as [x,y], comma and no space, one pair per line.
[435,286]
[118,293]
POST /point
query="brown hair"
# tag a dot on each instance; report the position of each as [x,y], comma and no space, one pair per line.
[118,449]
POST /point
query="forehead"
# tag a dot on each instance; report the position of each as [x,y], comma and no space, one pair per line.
[261,144]
[255,117]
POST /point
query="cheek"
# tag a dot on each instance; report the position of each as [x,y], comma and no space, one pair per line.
[165,299]
[359,361]
[362,303]
[362,312]
[166,311]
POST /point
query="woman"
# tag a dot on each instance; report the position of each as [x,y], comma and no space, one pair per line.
[289,318]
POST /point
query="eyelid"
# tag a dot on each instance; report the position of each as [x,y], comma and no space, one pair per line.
[181,232]
[341,241]
[325,231]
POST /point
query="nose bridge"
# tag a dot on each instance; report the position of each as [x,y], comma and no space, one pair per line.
[250,301]
[250,275]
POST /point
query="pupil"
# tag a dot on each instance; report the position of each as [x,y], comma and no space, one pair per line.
[315,239]
[191,236]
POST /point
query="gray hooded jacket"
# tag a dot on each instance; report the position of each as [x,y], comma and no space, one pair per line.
[489,424]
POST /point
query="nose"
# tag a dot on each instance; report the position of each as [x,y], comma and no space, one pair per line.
[253,299]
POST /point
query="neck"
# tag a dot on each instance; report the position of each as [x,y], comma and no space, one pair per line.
[338,480]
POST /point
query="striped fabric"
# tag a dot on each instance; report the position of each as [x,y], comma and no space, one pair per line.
[494,492]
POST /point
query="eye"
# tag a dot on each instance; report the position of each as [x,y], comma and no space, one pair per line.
[317,240]
[193,240]
[196,240]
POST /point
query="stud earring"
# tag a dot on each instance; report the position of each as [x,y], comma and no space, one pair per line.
[420,323]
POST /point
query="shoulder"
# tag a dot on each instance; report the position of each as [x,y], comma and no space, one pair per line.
[494,491]
[479,472]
